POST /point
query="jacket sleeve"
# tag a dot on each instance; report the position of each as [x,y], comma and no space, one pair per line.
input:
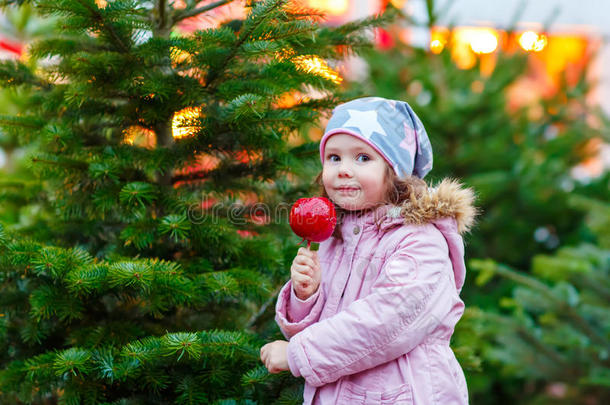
[408,301]
[293,314]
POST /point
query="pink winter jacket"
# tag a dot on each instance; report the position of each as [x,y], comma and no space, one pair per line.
[377,330]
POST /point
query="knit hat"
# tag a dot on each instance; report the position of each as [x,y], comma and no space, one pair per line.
[388,126]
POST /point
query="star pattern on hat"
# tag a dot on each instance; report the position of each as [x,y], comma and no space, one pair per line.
[366,121]
[408,143]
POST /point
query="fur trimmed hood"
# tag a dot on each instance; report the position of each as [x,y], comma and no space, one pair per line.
[447,199]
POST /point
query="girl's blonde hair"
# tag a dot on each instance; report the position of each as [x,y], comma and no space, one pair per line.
[397,191]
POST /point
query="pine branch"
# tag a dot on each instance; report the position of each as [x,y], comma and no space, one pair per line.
[14,74]
[595,284]
[245,35]
[254,318]
[24,122]
[373,21]
[567,310]
[234,171]
[3,237]
[191,12]
[164,140]
[64,162]
[108,27]
[527,335]
[198,175]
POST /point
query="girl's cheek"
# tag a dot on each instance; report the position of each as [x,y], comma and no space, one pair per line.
[326,176]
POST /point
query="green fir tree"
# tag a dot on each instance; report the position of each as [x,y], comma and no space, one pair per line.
[553,330]
[152,276]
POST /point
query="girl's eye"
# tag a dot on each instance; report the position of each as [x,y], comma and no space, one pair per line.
[364,157]
[333,158]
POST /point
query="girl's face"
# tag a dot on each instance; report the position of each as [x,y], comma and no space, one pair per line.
[353,174]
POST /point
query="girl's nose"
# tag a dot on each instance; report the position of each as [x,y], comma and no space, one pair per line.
[345,170]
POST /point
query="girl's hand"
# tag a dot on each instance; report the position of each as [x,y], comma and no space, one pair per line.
[305,273]
[274,356]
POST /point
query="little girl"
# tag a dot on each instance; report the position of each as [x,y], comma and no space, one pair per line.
[369,315]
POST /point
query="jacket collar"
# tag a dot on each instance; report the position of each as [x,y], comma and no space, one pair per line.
[449,199]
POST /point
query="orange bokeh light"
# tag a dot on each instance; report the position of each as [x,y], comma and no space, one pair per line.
[180,127]
[531,41]
[332,7]
[399,4]
[290,99]
[481,40]
[139,136]
[318,66]
[436,46]
[438,39]
[468,42]
[563,51]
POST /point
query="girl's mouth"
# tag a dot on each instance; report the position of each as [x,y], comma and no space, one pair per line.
[347,189]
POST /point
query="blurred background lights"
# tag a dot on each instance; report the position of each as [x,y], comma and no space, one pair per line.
[2,158]
[399,4]
[181,127]
[332,7]
[311,64]
[482,40]
[531,41]
[438,39]
[436,46]
[318,66]
[139,136]
[468,42]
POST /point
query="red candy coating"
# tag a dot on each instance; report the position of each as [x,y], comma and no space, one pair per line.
[313,219]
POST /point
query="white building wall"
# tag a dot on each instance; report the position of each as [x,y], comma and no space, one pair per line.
[600,72]
[564,15]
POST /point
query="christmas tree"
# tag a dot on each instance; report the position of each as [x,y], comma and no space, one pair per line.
[167,161]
